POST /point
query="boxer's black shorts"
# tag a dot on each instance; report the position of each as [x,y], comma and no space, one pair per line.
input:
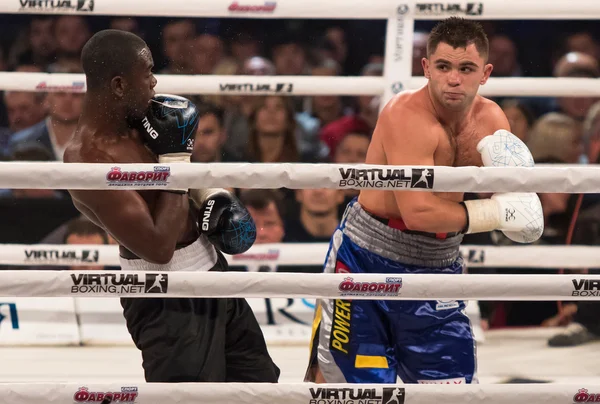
[199,340]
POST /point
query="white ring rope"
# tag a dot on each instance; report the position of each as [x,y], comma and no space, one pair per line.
[302,285]
[298,393]
[303,85]
[56,175]
[337,9]
[273,255]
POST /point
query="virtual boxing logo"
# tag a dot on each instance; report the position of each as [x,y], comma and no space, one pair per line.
[386,178]
[11,312]
[117,178]
[67,257]
[257,88]
[119,283]
[586,287]
[449,8]
[57,5]
[352,395]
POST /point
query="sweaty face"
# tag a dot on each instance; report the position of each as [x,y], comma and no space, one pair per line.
[455,75]
[141,83]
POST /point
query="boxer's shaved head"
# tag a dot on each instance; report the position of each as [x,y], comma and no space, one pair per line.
[108,54]
[458,33]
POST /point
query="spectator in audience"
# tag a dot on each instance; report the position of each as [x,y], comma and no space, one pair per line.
[419,52]
[244,45]
[319,216]
[71,33]
[336,46]
[576,64]
[503,55]
[556,137]
[81,231]
[289,56]
[178,38]
[210,136]
[318,112]
[272,132]
[258,66]
[583,42]
[266,208]
[56,130]
[207,53]
[520,117]
[363,120]
[352,149]
[39,48]
[24,109]
[129,24]
[591,133]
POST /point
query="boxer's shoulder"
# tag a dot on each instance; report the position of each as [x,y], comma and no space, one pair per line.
[409,108]
[488,115]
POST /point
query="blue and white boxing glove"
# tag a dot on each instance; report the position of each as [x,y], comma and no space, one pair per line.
[224,220]
[169,127]
[517,214]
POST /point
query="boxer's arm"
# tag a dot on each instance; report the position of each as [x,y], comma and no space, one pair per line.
[410,140]
[151,236]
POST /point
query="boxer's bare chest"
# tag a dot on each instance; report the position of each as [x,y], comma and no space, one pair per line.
[458,147]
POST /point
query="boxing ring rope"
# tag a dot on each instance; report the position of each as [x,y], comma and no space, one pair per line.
[302,85]
[398,54]
[297,393]
[301,285]
[80,176]
[279,254]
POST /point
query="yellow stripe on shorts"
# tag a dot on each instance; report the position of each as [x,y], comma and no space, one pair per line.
[378,362]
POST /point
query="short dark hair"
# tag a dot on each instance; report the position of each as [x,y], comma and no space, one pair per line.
[459,33]
[31,151]
[259,199]
[208,108]
[82,226]
[109,53]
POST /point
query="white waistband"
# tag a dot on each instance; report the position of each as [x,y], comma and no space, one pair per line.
[199,256]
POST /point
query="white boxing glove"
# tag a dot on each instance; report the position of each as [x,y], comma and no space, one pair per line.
[503,149]
[518,215]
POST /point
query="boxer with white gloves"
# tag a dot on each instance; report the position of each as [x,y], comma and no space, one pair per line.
[395,232]
[519,215]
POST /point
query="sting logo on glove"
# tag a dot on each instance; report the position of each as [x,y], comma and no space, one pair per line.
[170,124]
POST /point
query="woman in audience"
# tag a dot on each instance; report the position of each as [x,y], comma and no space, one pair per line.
[272,132]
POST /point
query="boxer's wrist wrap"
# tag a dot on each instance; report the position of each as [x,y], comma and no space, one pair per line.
[466,228]
[174,158]
[482,215]
[201,195]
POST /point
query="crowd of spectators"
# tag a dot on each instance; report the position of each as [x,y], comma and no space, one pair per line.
[273,129]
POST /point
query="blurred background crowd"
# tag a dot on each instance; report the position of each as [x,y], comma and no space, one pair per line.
[35,126]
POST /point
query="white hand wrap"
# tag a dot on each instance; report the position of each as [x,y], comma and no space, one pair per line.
[201,195]
[174,158]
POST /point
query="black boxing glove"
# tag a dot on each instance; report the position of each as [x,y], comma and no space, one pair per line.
[169,128]
[224,220]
